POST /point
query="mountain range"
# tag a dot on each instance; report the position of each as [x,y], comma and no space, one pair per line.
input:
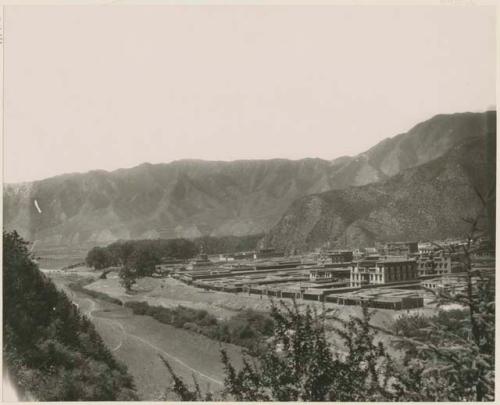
[411,186]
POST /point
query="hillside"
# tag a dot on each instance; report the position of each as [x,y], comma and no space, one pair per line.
[50,349]
[190,198]
[421,203]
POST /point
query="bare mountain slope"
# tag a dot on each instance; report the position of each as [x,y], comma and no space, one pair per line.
[424,142]
[425,202]
[185,198]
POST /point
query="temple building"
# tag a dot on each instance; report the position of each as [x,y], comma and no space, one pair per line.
[376,270]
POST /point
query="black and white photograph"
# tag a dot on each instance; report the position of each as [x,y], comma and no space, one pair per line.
[249,201]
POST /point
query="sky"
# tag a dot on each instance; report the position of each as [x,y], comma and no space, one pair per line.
[106,87]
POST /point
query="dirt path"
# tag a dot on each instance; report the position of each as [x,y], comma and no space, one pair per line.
[126,334]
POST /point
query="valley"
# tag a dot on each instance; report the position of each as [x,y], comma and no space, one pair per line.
[249,203]
[179,259]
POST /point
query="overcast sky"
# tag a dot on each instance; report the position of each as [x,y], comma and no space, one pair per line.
[109,87]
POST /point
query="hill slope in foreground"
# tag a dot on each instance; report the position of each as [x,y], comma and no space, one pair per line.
[192,198]
[51,351]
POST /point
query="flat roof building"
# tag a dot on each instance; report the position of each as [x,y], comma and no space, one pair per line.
[382,298]
[322,274]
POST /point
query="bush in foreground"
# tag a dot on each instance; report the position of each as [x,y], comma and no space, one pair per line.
[298,364]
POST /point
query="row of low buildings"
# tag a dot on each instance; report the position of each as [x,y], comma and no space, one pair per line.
[329,279]
[388,279]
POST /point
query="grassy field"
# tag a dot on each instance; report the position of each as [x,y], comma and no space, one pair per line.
[137,341]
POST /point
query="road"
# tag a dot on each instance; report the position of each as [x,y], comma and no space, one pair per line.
[137,341]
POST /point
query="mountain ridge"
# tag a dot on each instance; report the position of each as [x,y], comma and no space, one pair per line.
[191,197]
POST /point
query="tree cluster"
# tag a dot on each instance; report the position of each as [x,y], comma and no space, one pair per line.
[143,254]
[138,258]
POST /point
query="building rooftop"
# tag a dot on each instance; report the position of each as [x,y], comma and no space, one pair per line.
[401,243]
[381,294]
[395,260]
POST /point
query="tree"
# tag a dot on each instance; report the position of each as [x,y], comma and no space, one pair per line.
[455,362]
[128,277]
[298,364]
[98,258]
[122,252]
[144,260]
[451,356]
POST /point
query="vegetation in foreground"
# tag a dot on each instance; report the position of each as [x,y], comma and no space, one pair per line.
[53,352]
[298,363]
